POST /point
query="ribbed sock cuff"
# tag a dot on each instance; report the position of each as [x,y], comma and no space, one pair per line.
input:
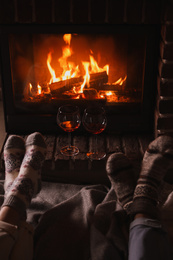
[17,204]
[145,206]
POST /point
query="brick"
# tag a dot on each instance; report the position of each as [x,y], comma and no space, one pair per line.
[7,12]
[166,106]
[165,123]
[24,11]
[169,12]
[62,11]
[98,11]
[167,70]
[166,88]
[153,11]
[80,11]
[116,11]
[168,35]
[134,11]
[43,11]
[168,51]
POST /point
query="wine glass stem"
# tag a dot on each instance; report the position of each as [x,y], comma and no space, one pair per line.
[69,139]
[95,144]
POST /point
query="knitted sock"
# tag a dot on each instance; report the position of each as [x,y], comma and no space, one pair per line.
[122,178]
[14,150]
[28,182]
[157,162]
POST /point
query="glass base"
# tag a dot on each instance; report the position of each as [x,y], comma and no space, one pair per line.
[69,150]
[96,156]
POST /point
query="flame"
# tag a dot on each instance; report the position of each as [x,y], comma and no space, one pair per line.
[67,38]
[95,68]
[51,70]
[39,89]
[30,88]
[86,77]
[71,70]
[120,81]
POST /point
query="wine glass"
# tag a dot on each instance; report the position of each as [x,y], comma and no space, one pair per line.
[94,121]
[68,118]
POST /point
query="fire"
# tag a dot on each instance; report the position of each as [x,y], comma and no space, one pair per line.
[86,77]
[120,81]
[30,88]
[51,70]
[108,93]
[70,70]
[39,90]
[67,38]
[95,68]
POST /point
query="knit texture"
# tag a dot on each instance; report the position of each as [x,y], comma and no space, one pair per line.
[28,182]
[14,150]
[157,161]
[121,175]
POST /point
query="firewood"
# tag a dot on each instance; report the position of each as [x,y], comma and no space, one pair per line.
[102,76]
[96,79]
[65,83]
[90,93]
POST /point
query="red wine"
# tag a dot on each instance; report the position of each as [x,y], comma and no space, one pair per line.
[94,128]
[69,126]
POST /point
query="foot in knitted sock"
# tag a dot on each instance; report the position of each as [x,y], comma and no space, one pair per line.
[28,182]
[14,150]
[157,162]
[122,178]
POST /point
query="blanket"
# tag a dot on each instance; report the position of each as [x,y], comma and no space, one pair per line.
[77,222]
[81,222]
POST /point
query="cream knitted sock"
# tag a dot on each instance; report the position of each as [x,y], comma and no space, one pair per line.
[14,150]
[28,182]
[157,161]
[121,175]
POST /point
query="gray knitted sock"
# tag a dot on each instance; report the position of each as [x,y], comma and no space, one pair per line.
[121,175]
[157,161]
[14,150]
[28,182]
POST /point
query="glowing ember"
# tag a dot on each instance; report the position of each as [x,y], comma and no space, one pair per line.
[39,90]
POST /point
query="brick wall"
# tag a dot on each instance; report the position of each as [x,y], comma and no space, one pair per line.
[164,109]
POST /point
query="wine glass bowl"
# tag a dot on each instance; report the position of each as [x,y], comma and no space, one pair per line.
[94,121]
[68,118]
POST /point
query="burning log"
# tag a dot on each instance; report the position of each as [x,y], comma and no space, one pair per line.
[96,80]
[99,78]
[90,93]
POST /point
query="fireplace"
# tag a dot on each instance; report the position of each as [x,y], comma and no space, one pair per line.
[112,60]
[106,65]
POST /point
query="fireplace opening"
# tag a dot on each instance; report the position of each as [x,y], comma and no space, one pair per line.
[114,66]
[51,68]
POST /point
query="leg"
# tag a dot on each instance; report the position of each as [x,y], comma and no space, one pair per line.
[28,182]
[16,242]
[146,230]
[121,175]
[148,240]
[15,233]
